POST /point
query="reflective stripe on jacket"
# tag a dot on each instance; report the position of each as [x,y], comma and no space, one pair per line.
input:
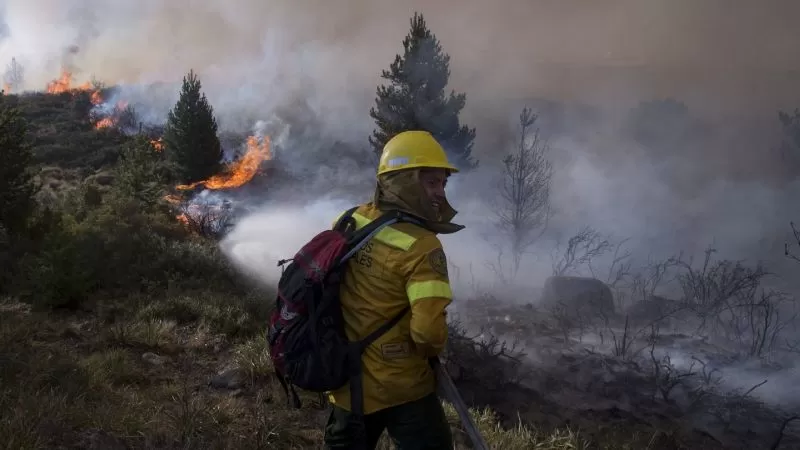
[403,264]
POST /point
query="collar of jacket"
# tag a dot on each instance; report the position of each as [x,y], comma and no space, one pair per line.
[403,191]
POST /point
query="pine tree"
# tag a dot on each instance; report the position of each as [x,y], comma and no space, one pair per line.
[190,135]
[16,179]
[415,97]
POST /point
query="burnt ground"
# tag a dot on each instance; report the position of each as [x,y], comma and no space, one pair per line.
[590,382]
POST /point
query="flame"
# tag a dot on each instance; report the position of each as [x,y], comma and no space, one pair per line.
[182,218]
[173,199]
[106,122]
[158,144]
[64,84]
[113,118]
[6,88]
[96,98]
[197,216]
[239,172]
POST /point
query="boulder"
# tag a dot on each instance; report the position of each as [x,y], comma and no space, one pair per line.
[578,295]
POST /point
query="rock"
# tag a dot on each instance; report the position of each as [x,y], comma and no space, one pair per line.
[228,379]
[578,295]
[153,359]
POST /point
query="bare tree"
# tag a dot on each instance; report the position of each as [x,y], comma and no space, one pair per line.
[667,377]
[796,234]
[623,344]
[13,76]
[620,267]
[524,210]
[714,290]
[644,284]
[764,323]
[483,359]
[586,245]
[206,219]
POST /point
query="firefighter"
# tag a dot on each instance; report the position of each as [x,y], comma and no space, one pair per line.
[403,265]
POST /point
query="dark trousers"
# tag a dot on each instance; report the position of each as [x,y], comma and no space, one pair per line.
[417,425]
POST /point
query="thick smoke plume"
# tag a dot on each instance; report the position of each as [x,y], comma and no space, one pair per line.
[592,63]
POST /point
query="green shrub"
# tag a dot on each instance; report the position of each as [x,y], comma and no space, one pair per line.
[64,272]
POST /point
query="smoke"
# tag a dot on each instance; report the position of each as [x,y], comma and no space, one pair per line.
[249,52]
[311,67]
[4,31]
[304,72]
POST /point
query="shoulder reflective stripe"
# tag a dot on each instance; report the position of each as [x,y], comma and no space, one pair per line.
[423,289]
[388,235]
[333,224]
[395,238]
[361,221]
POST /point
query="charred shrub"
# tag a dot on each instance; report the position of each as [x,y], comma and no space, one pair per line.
[482,361]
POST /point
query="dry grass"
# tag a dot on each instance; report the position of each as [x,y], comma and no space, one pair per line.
[79,381]
[135,375]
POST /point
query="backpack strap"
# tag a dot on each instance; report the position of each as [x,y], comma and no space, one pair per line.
[362,236]
[346,220]
[355,350]
[288,388]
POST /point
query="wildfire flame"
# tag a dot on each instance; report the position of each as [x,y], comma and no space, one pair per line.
[6,88]
[105,122]
[112,119]
[158,144]
[182,218]
[239,172]
[173,199]
[96,98]
[64,84]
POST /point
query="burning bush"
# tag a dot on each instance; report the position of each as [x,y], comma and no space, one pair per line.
[119,239]
[207,219]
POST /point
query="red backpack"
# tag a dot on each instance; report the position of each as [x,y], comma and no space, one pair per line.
[306,336]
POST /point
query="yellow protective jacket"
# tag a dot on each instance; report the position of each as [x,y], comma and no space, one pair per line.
[404,264]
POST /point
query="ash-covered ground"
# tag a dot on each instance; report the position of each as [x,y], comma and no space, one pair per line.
[574,355]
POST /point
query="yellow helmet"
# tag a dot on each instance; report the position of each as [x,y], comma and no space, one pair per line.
[411,149]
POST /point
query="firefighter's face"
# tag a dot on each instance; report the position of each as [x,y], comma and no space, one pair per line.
[434,182]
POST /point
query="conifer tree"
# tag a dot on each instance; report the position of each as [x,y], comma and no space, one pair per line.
[415,97]
[16,179]
[190,136]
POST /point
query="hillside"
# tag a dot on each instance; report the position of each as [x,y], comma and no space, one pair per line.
[123,326]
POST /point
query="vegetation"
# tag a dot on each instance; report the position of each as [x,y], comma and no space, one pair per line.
[119,326]
[415,97]
[13,76]
[190,137]
[524,208]
[16,186]
[123,326]
[63,132]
